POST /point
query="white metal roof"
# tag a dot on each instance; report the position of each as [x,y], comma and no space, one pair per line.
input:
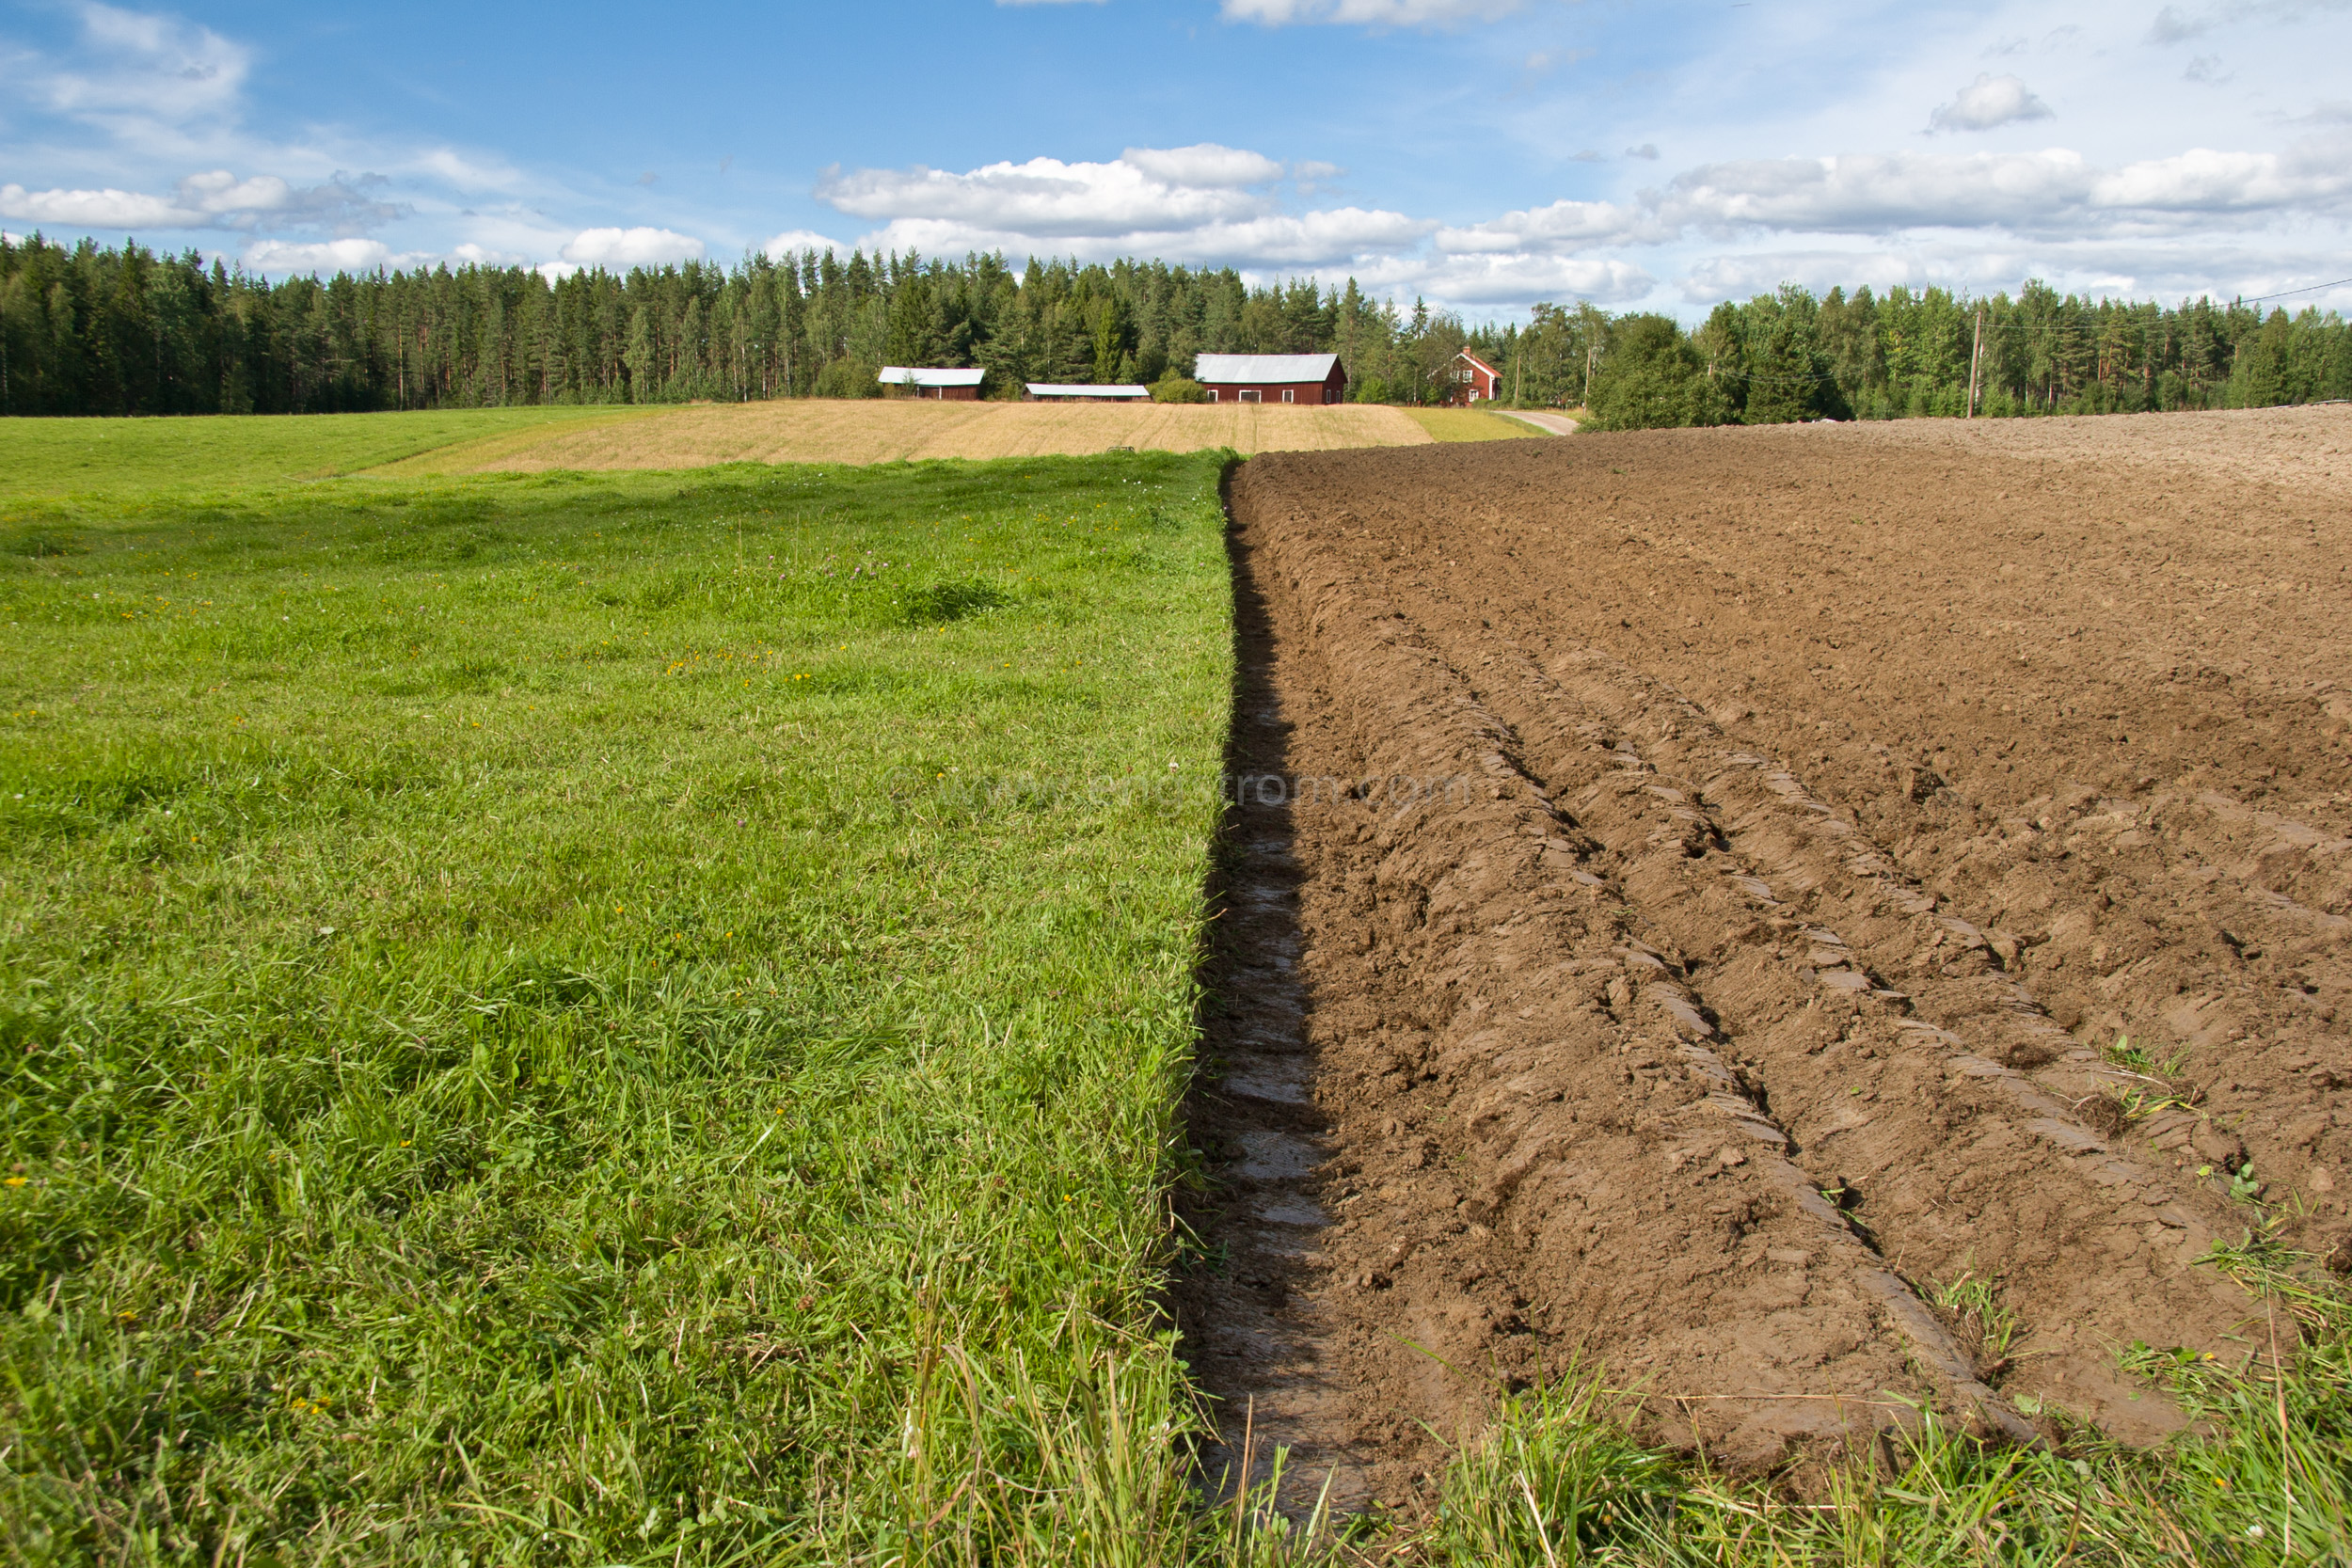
[1061,389]
[1225,367]
[903,375]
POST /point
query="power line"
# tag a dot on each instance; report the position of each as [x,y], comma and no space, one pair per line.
[2282,294]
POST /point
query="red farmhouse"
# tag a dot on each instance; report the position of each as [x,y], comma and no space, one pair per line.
[1271,377]
[1469,379]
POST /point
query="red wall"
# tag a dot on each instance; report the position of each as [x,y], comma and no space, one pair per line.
[1309,392]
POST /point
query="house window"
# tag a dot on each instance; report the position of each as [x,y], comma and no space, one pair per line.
[1212,394]
[1250,395]
[1289,395]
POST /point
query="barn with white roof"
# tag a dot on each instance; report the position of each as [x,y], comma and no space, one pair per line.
[1315,378]
[955,386]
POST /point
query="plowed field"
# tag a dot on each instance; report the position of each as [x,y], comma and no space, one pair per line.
[1802,919]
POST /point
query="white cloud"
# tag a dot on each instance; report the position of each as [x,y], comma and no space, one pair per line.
[1204,203]
[466,173]
[2174,25]
[622,249]
[1742,275]
[147,70]
[1043,197]
[101,209]
[2024,192]
[1988,103]
[1563,226]
[470,254]
[1367,13]
[219,191]
[326,255]
[1522,279]
[793,241]
[1206,164]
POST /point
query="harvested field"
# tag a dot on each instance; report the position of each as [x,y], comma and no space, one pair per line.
[822,429]
[1804,919]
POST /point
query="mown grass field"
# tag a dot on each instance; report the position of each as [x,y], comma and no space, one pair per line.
[127,457]
[1470,424]
[578,1020]
[879,430]
[636,1018]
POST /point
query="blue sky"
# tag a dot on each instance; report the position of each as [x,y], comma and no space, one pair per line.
[1481,153]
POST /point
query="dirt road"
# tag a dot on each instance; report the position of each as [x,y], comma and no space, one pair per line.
[1691,888]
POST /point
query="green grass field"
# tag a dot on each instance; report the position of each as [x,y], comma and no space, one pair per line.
[1470,424]
[134,458]
[636,1018]
[575,1020]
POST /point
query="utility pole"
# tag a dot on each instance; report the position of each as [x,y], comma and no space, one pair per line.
[1975,358]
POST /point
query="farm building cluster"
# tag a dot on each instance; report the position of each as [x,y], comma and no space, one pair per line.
[1294,378]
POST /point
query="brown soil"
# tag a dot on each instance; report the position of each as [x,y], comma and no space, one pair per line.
[1709,876]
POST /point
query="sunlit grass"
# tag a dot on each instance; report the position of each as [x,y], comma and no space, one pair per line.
[135,458]
[530,1032]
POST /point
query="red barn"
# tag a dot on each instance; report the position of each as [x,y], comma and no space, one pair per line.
[1271,377]
[923,382]
[1469,379]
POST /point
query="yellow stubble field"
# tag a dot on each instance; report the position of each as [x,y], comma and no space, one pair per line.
[818,430]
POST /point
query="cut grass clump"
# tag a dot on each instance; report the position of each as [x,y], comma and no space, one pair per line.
[528,1053]
[942,602]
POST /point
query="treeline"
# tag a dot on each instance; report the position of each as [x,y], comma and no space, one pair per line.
[94,330]
[1787,355]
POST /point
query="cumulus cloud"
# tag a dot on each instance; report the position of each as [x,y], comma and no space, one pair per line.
[98,209]
[2051,191]
[1205,202]
[1208,164]
[1367,13]
[793,241]
[1520,280]
[214,199]
[1740,276]
[327,256]
[1330,236]
[1562,227]
[1987,104]
[1140,192]
[631,247]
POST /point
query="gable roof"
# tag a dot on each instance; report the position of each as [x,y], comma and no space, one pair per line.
[903,375]
[1264,367]
[1071,390]
[1476,360]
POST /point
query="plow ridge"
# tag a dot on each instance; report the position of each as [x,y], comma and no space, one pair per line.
[1639,1044]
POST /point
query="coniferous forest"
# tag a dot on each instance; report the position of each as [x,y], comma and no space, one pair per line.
[94,329]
